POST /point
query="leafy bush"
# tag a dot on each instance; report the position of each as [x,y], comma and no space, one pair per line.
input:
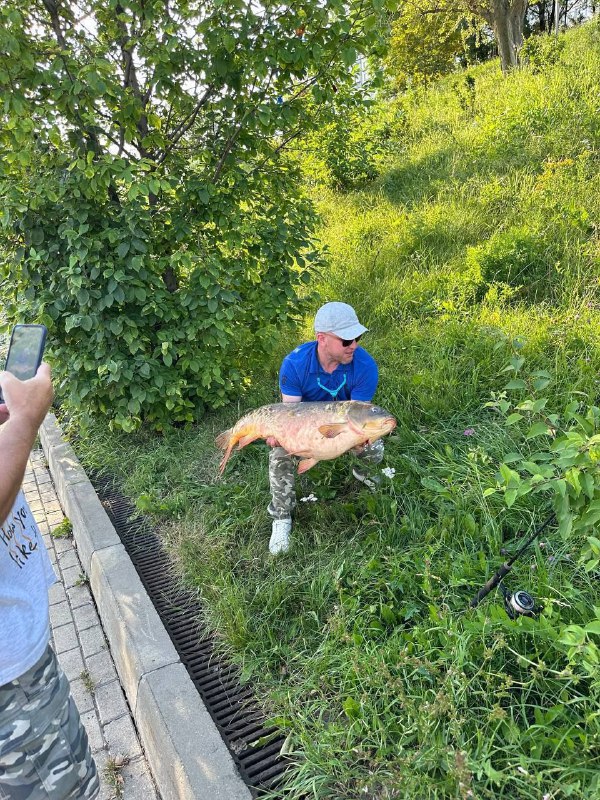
[346,152]
[518,258]
[127,344]
[541,51]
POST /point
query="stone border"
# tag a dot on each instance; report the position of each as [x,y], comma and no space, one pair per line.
[187,757]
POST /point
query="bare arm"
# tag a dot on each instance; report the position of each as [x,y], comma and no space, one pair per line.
[25,406]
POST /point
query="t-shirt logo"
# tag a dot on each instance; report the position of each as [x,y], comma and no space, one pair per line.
[19,532]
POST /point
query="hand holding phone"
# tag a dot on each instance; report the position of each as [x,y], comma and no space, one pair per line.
[25,351]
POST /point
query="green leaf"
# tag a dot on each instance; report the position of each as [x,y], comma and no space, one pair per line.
[538,429]
[540,383]
[512,419]
[588,485]
[593,627]
[352,708]
[431,483]
[229,42]
[594,543]
[516,383]
[349,56]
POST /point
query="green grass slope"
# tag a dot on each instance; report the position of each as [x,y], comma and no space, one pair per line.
[477,244]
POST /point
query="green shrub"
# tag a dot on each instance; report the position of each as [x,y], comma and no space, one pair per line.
[541,51]
[518,258]
[143,325]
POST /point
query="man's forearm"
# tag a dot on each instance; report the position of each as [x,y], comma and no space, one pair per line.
[16,441]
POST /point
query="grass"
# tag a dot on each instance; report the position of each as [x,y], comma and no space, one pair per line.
[478,241]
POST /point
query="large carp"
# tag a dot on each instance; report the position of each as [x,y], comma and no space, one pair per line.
[313,431]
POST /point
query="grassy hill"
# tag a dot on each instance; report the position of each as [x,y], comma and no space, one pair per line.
[474,257]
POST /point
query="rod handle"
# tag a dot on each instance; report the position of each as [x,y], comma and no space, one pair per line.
[491,584]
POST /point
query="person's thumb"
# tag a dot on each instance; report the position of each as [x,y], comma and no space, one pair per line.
[43,371]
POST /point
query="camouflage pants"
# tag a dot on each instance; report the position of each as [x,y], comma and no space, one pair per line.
[282,477]
[44,751]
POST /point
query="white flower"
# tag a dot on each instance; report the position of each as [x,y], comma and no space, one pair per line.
[310,499]
[389,472]
[522,770]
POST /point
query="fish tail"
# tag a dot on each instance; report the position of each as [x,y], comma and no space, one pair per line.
[225,441]
[228,440]
[222,439]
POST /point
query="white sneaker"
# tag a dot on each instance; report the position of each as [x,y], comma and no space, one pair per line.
[280,537]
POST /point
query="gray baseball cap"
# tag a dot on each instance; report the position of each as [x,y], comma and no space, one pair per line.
[340,319]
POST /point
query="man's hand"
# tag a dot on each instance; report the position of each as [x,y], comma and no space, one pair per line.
[26,402]
[25,406]
[272,442]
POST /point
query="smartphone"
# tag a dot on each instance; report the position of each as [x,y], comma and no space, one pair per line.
[25,351]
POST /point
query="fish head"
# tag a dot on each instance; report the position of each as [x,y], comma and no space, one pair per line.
[372,421]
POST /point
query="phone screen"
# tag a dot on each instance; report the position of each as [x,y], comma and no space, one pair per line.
[26,350]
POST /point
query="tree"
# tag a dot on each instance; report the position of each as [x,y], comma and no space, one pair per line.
[429,38]
[506,18]
[149,214]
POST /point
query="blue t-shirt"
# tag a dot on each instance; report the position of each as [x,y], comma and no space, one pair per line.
[301,375]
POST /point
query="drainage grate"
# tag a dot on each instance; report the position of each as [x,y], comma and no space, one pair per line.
[232,707]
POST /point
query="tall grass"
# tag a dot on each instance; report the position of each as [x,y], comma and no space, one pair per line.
[479,236]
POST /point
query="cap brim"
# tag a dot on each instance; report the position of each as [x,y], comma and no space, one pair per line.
[351,332]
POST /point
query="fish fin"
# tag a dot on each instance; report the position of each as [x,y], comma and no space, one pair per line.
[333,429]
[225,459]
[222,439]
[251,437]
[306,464]
[225,441]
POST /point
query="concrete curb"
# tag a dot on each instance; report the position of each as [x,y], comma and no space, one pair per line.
[187,757]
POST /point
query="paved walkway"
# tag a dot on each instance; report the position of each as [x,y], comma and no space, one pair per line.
[83,653]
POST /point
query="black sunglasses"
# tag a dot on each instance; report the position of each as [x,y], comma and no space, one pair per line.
[347,342]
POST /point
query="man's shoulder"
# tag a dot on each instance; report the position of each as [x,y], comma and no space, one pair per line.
[300,354]
[363,360]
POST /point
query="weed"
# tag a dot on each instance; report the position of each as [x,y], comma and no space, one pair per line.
[88,681]
[63,530]
[112,774]
[82,579]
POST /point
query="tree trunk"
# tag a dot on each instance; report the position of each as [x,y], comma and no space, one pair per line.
[543,27]
[508,18]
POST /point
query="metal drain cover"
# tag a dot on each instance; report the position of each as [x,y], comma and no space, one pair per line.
[232,706]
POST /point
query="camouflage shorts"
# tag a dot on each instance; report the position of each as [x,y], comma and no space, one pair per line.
[44,751]
[282,477]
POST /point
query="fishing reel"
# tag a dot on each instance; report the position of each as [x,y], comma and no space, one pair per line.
[519,603]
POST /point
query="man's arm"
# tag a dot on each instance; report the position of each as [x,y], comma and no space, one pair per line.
[24,408]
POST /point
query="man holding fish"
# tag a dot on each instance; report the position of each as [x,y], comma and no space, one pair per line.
[326,387]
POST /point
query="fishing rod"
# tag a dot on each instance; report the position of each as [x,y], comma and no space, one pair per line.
[520,602]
